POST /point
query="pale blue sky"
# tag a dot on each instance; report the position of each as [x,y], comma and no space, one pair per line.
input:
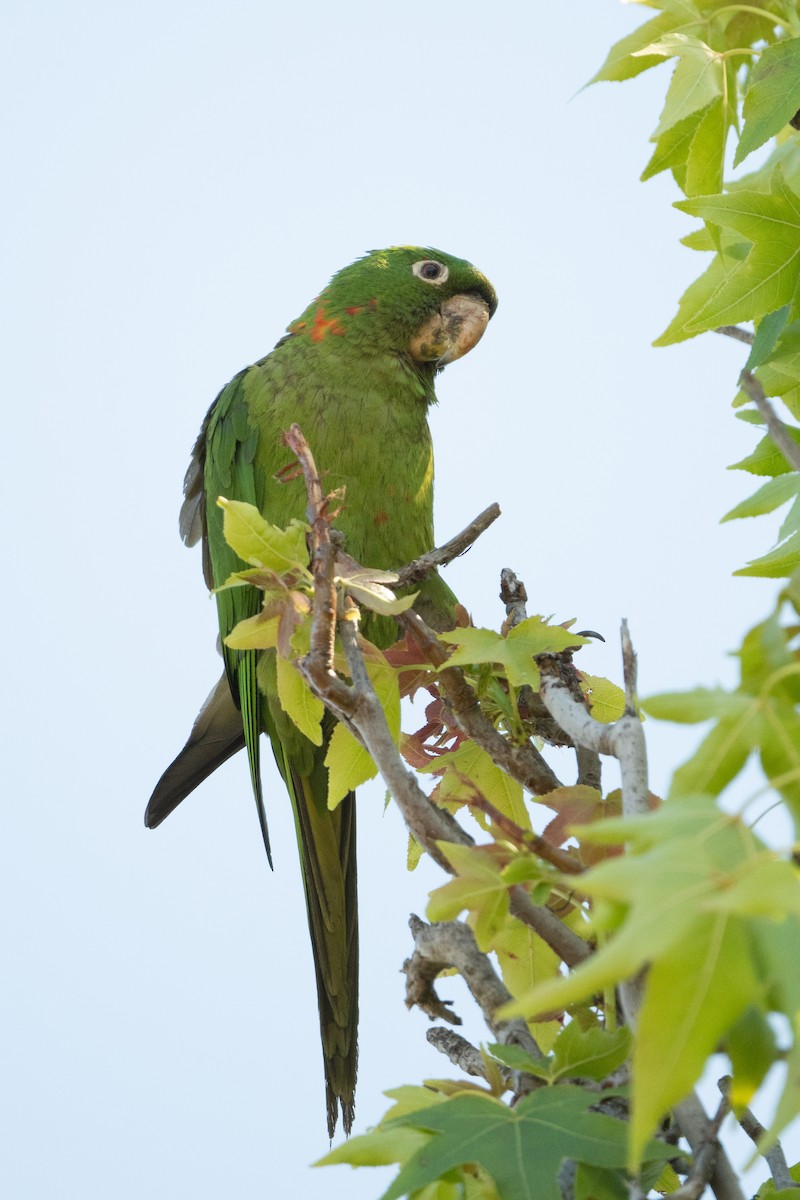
[182,179]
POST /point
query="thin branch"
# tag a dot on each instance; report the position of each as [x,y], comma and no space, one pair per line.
[458,545]
[563,860]
[775,1157]
[624,739]
[777,429]
[465,1056]
[736,332]
[523,763]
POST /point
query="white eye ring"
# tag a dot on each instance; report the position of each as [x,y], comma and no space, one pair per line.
[430,271]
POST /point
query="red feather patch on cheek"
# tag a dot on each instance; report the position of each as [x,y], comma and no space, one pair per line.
[381,517]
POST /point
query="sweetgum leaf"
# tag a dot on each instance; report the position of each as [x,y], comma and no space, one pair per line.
[688,900]
[514,652]
[298,701]
[768,277]
[697,79]
[589,1053]
[349,765]
[769,330]
[705,160]
[522,1148]
[773,95]
[262,544]
[769,497]
[626,58]
[779,563]
[766,459]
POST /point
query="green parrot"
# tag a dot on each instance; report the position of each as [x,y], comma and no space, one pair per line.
[356,372]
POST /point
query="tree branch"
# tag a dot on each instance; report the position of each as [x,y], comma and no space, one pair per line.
[414,571]
[775,1157]
[359,708]
[465,1056]
[452,944]
[698,1130]
[523,763]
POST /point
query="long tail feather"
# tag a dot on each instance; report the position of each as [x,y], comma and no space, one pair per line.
[327,843]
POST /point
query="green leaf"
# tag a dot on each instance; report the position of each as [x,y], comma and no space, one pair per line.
[592,1053]
[599,1183]
[672,148]
[606,699]
[262,544]
[254,633]
[720,756]
[697,296]
[773,95]
[694,993]
[791,522]
[768,277]
[766,459]
[769,497]
[705,161]
[778,564]
[522,1149]
[525,960]
[696,82]
[519,1060]
[298,701]
[368,588]
[514,652]
[752,1049]
[499,789]
[626,59]
[769,330]
[681,901]
[701,704]
[478,887]
[349,765]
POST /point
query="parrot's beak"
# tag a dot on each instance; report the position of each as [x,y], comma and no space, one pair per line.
[452,331]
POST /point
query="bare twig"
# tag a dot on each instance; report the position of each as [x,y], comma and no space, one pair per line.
[775,1157]
[458,545]
[452,944]
[464,1055]
[514,596]
[736,331]
[624,739]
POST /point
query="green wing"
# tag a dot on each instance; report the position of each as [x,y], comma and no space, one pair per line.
[238,467]
[230,469]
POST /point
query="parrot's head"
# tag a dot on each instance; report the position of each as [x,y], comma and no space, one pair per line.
[405,300]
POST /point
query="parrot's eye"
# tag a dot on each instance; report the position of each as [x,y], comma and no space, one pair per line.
[430,270]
